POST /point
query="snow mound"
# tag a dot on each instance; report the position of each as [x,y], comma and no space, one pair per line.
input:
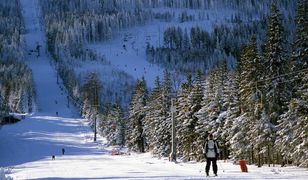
[4,171]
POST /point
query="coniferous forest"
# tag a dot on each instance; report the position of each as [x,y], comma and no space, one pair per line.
[257,109]
[16,84]
[245,81]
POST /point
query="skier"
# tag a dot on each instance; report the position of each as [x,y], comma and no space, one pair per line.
[38,49]
[63,150]
[211,153]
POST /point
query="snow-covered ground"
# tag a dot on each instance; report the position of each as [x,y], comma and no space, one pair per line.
[26,147]
[127,52]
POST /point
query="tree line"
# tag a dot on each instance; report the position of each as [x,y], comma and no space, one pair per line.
[189,49]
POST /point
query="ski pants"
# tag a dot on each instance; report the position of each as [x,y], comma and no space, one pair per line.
[208,164]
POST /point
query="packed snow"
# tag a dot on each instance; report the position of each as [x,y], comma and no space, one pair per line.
[28,146]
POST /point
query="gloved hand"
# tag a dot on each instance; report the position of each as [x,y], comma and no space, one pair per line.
[205,156]
[217,155]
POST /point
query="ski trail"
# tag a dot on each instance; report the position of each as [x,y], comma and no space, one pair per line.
[50,98]
[52,102]
[53,125]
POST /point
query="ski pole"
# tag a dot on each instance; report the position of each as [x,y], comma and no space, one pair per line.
[200,170]
[221,166]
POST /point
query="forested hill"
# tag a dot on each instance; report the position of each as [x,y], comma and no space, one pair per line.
[240,59]
[180,36]
[231,67]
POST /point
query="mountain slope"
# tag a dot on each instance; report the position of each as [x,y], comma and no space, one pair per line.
[26,147]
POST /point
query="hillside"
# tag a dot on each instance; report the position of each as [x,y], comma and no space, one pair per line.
[127,69]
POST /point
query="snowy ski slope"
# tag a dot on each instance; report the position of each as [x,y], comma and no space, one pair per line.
[26,147]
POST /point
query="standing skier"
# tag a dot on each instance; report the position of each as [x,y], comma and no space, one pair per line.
[211,153]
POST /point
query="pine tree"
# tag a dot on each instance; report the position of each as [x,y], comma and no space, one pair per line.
[292,129]
[209,110]
[3,108]
[300,46]
[164,127]
[299,103]
[166,92]
[194,103]
[239,142]
[232,112]
[135,133]
[250,73]
[114,125]
[154,118]
[277,93]
[300,129]
[191,97]
[252,93]
[181,116]
[91,97]
[186,41]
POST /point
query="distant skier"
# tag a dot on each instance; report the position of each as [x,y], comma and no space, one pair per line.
[211,153]
[63,151]
[38,49]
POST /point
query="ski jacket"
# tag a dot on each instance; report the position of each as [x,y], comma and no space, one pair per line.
[211,149]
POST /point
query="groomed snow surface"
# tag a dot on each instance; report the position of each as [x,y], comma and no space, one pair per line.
[26,148]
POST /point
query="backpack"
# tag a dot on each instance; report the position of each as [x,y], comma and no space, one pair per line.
[211,146]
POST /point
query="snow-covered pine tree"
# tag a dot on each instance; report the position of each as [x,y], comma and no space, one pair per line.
[277,91]
[91,91]
[194,103]
[182,114]
[293,127]
[166,92]
[4,110]
[300,102]
[250,73]
[239,142]
[247,69]
[300,46]
[187,121]
[153,118]
[186,40]
[209,111]
[232,112]
[135,133]
[299,108]
[164,127]
[299,56]
[275,55]
[292,132]
[223,102]
[252,93]
[114,123]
